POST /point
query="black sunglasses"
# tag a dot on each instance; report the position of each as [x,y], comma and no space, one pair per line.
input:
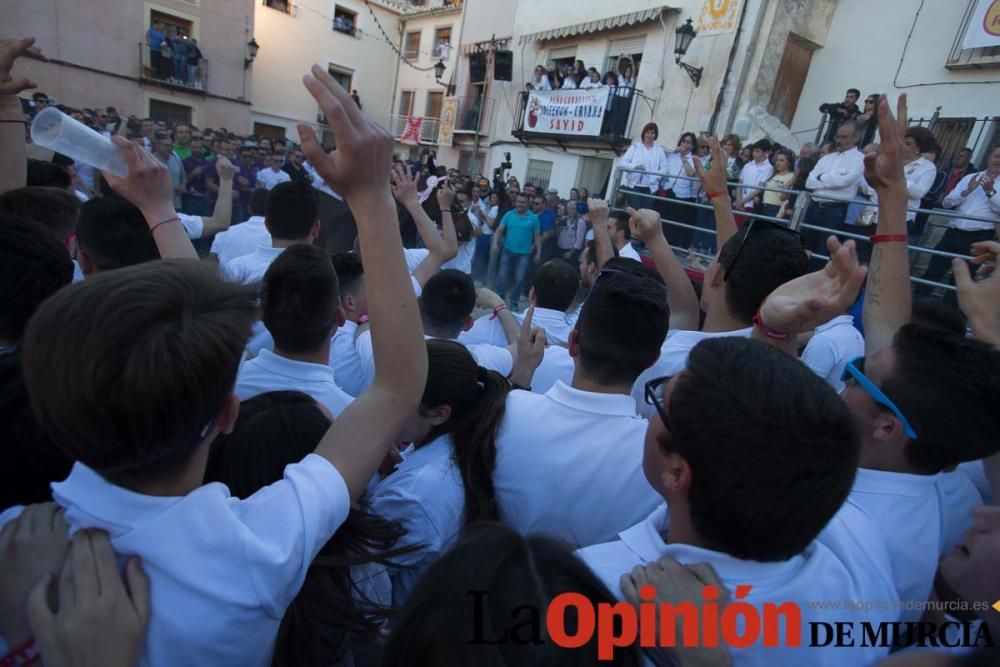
[756,223]
[655,390]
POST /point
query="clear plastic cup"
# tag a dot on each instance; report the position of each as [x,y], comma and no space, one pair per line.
[55,130]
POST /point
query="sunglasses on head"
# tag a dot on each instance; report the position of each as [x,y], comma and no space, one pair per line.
[855,370]
[756,223]
[655,391]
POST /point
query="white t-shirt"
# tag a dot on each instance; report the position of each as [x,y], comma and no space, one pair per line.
[751,177]
[556,324]
[831,347]
[251,268]
[269,178]
[556,366]
[463,259]
[193,225]
[241,239]
[222,571]
[414,256]
[345,362]
[848,561]
[425,494]
[915,517]
[271,372]
[569,465]
[673,359]
[653,161]
[837,175]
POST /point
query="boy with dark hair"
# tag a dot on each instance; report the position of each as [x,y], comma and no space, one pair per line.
[621,235]
[754,456]
[300,306]
[112,233]
[132,373]
[568,461]
[344,358]
[54,208]
[292,217]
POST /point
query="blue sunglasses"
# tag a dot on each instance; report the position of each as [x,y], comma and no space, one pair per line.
[855,370]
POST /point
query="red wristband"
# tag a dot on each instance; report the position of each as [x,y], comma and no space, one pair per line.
[890,238]
[25,654]
[766,330]
[496,311]
[719,193]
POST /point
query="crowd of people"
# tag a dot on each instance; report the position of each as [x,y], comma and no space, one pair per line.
[272,455]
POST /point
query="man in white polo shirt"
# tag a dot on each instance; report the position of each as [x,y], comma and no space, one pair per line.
[621,236]
[300,305]
[292,217]
[272,174]
[243,238]
[569,462]
[344,358]
[755,456]
[834,182]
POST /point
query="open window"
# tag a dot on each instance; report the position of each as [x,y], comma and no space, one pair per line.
[283,6]
[345,21]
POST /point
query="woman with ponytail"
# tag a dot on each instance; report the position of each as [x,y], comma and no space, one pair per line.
[445,482]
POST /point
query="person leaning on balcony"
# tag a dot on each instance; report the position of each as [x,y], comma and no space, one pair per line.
[644,155]
[193,61]
[155,37]
[541,80]
[841,111]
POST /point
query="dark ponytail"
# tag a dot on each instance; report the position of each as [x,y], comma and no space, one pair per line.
[477,398]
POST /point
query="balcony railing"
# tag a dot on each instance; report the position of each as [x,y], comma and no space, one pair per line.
[428,128]
[172,72]
[572,118]
[475,114]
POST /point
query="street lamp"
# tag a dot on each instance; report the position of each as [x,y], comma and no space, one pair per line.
[252,47]
[685,34]
[439,68]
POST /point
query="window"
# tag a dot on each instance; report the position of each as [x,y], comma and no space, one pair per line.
[345,21]
[411,45]
[621,50]
[470,162]
[442,42]
[539,172]
[406,103]
[272,132]
[342,76]
[182,26]
[434,101]
[169,113]
[281,5]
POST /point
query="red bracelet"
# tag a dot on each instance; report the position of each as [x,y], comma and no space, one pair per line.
[496,311]
[25,654]
[766,330]
[713,195]
[890,238]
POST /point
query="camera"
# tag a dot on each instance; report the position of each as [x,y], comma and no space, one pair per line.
[498,173]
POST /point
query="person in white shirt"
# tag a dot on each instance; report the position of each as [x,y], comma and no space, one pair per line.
[300,307]
[272,174]
[974,195]
[681,189]
[569,462]
[834,182]
[292,217]
[553,290]
[830,348]
[243,239]
[444,482]
[621,236]
[751,264]
[753,175]
[593,80]
[763,511]
[344,359]
[919,171]
[644,156]
[541,80]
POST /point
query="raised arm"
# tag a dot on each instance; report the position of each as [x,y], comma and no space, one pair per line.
[14,173]
[685,313]
[980,300]
[359,169]
[716,189]
[888,294]
[444,251]
[597,211]
[222,215]
[149,187]
[404,189]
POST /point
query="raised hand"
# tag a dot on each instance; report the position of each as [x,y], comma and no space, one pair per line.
[980,300]
[597,210]
[446,195]
[147,184]
[226,169]
[487,298]
[99,622]
[361,164]
[530,351]
[10,51]
[884,168]
[404,186]
[814,299]
[645,225]
[32,547]
[714,179]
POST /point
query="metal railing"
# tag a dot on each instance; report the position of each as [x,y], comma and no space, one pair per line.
[616,122]
[153,66]
[697,259]
[428,128]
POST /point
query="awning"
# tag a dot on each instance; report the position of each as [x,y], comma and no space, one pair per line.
[599,25]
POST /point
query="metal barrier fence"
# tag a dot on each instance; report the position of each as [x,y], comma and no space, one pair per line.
[937,221]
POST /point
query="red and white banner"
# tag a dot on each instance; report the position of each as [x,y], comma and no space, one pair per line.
[570,112]
[411,135]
